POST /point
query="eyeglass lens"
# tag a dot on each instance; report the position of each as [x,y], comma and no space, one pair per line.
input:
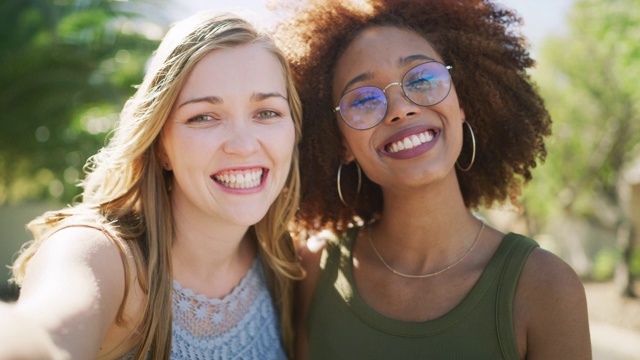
[426,84]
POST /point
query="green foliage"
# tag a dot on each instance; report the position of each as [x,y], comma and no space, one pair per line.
[604,265]
[589,80]
[606,260]
[66,68]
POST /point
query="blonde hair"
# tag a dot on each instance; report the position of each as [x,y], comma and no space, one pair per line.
[125,191]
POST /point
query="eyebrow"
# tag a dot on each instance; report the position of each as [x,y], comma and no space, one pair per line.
[209,99]
[403,61]
[215,100]
[362,77]
[263,96]
[411,58]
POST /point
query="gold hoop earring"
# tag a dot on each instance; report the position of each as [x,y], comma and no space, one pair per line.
[339,186]
[473,154]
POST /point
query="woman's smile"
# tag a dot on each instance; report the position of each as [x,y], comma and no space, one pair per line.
[245,179]
[410,143]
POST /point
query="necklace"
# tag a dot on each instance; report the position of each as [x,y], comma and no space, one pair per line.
[424,275]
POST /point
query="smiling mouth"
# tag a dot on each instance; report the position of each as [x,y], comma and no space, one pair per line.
[239,179]
[410,141]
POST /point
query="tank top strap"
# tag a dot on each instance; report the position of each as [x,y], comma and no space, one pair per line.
[516,249]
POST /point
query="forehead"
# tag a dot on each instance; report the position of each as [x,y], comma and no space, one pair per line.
[232,68]
[381,47]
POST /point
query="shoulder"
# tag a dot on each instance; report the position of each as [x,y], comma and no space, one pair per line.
[547,273]
[80,255]
[81,240]
[79,244]
[84,247]
[550,309]
[74,286]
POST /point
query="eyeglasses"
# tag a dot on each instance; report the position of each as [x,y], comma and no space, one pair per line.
[426,84]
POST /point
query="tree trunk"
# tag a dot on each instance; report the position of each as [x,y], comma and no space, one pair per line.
[626,240]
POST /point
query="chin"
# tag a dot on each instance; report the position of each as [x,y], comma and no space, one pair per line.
[247,219]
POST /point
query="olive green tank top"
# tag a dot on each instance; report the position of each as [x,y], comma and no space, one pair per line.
[341,325]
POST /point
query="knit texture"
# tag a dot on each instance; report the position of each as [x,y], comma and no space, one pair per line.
[242,325]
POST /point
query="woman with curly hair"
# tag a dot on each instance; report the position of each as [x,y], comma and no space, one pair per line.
[180,247]
[417,112]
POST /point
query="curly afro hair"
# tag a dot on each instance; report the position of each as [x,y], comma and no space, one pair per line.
[481,40]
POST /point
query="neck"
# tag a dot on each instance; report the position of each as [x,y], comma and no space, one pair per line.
[426,228]
[431,209]
[210,257]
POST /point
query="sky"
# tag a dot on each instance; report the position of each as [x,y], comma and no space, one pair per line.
[541,17]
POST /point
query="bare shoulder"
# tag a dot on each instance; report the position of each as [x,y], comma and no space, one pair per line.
[82,242]
[74,286]
[74,250]
[550,309]
[546,271]
[77,246]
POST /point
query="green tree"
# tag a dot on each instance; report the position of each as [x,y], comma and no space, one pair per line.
[590,81]
[66,68]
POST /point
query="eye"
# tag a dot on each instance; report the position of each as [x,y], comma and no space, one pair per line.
[419,81]
[364,99]
[369,99]
[427,77]
[199,119]
[267,114]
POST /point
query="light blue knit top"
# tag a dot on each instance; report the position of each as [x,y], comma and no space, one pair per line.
[242,325]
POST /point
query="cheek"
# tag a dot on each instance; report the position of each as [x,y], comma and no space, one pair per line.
[281,141]
[184,146]
[356,142]
[347,135]
[454,106]
[166,144]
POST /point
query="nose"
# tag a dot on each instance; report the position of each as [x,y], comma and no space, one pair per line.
[241,140]
[398,105]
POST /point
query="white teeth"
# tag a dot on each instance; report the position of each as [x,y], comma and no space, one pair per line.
[240,179]
[410,142]
[429,136]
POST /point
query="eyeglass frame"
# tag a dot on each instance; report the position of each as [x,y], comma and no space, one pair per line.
[337,108]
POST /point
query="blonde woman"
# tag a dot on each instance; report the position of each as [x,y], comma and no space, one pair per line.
[179,248]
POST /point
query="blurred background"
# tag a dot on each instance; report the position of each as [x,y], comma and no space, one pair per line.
[67,66]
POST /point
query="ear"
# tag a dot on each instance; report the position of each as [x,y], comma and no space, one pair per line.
[347,155]
[463,117]
[162,157]
[167,166]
